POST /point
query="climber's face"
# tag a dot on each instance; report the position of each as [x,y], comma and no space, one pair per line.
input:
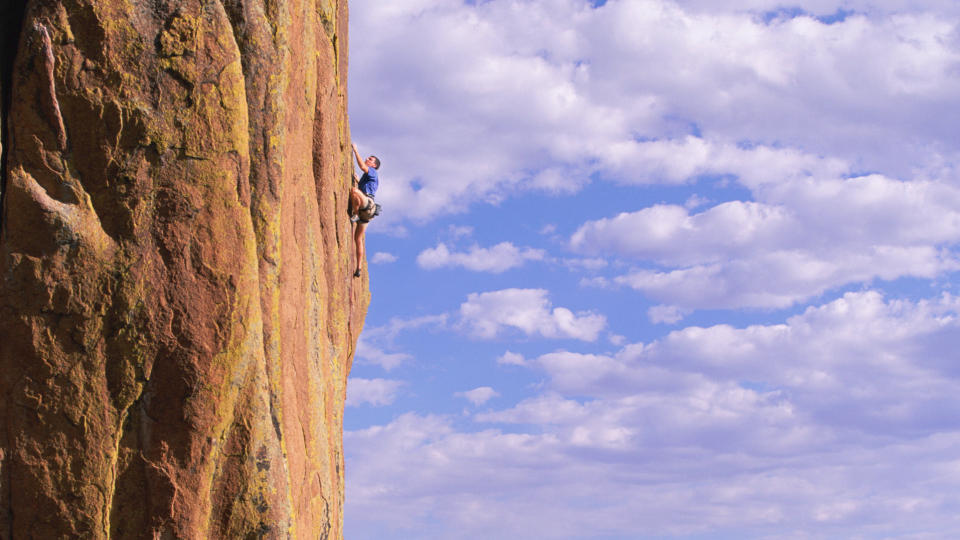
[371,162]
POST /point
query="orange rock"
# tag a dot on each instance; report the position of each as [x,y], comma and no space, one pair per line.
[178,314]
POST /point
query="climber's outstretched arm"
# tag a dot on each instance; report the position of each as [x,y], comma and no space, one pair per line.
[356,154]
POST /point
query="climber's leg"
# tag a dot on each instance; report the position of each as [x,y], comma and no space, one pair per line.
[360,241]
[358,200]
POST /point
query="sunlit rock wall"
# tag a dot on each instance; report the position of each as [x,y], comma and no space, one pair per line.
[177,308]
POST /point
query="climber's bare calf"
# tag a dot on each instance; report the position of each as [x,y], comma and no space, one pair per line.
[359,239]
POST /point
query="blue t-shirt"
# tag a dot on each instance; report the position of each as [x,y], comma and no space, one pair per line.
[369,182]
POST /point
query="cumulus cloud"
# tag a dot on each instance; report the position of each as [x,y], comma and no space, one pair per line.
[512,358]
[377,392]
[487,314]
[371,354]
[782,278]
[834,123]
[842,415]
[804,214]
[382,257]
[665,314]
[802,238]
[495,259]
[479,396]
[884,350]
[541,101]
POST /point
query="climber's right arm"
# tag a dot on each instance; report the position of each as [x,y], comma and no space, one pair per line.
[360,163]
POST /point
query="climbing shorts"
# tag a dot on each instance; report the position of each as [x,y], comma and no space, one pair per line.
[368,212]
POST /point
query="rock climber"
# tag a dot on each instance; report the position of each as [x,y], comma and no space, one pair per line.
[362,206]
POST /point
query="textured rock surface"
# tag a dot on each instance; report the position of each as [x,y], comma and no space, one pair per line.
[177,308]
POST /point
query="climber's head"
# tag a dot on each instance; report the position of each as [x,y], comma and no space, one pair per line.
[373,161]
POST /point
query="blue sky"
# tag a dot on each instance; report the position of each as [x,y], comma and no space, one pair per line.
[658,269]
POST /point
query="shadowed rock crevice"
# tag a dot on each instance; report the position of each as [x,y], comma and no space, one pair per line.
[11,20]
[176,294]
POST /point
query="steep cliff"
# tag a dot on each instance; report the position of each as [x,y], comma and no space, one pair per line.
[177,308]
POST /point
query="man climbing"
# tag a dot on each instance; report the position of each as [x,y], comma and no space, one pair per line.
[362,206]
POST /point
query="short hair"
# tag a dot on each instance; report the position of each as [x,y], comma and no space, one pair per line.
[376,162]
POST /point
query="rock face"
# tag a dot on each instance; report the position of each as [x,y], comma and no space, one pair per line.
[177,308]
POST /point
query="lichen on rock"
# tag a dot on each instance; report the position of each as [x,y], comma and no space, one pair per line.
[176,296]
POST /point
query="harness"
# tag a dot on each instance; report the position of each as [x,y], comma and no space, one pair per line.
[368,212]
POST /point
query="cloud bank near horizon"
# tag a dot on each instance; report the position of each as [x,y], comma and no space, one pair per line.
[747,445]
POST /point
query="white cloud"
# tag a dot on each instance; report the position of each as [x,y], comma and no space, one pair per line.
[382,257]
[782,278]
[486,314]
[842,416]
[512,358]
[376,341]
[823,8]
[810,214]
[802,238]
[397,325]
[682,160]
[495,259]
[479,396]
[502,102]
[377,392]
[857,360]
[371,354]
[428,481]
[839,136]
[665,314]
[669,234]
[696,201]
